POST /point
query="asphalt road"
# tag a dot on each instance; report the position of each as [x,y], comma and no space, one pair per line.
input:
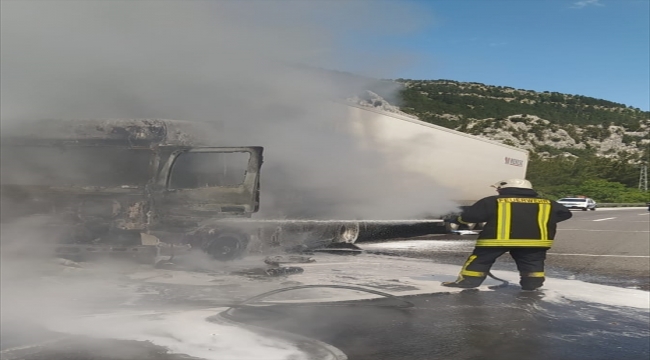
[471,325]
[604,246]
[498,325]
[610,246]
[608,242]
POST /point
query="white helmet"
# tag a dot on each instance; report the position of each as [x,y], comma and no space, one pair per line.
[513,183]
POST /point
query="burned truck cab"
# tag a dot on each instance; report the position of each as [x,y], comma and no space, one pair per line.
[129,187]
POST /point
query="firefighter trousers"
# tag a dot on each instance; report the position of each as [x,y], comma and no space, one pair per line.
[530,263]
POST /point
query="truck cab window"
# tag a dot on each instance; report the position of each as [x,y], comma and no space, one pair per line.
[209,169]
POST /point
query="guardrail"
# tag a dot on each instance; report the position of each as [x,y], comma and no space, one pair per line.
[622,204]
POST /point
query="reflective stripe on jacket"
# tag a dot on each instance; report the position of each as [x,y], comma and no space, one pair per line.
[516,218]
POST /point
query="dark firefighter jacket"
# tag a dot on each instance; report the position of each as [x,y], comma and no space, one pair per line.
[516,218]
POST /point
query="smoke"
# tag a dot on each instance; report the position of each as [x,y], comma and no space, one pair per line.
[255,67]
[252,66]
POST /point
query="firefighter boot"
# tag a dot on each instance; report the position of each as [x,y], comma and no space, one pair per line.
[465,282]
[531,281]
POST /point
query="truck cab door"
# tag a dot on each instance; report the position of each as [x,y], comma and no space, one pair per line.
[197,184]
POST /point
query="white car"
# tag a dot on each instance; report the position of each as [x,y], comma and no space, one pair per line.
[583,204]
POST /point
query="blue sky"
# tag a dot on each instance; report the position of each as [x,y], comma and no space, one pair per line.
[597,48]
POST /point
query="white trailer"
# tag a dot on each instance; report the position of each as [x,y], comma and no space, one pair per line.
[464,165]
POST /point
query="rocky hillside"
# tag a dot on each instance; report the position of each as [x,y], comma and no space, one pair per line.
[548,139]
[549,124]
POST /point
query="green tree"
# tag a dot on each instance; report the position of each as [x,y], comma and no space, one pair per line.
[602,190]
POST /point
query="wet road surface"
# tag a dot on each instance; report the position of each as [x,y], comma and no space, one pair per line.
[600,247]
[81,348]
[504,324]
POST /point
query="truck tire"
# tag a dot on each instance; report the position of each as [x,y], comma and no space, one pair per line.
[450,227]
[347,233]
[226,246]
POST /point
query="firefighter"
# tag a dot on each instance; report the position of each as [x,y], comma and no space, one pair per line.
[517,221]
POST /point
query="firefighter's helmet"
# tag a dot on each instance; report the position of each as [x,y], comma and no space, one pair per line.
[513,183]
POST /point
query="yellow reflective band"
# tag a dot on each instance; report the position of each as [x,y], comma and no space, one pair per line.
[533,274]
[472,273]
[503,214]
[460,220]
[466,272]
[508,220]
[513,243]
[469,261]
[525,200]
[500,216]
[543,215]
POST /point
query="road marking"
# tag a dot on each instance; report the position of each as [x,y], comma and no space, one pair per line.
[621,256]
[470,250]
[580,220]
[604,219]
[646,214]
[621,231]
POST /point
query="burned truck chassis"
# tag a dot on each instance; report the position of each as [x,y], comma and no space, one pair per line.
[108,188]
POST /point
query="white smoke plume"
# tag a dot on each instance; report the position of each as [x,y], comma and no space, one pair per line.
[248,65]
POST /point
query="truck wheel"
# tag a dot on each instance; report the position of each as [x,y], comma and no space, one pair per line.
[449,227]
[584,209]
[226,246]
[348,233]
[593,209]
